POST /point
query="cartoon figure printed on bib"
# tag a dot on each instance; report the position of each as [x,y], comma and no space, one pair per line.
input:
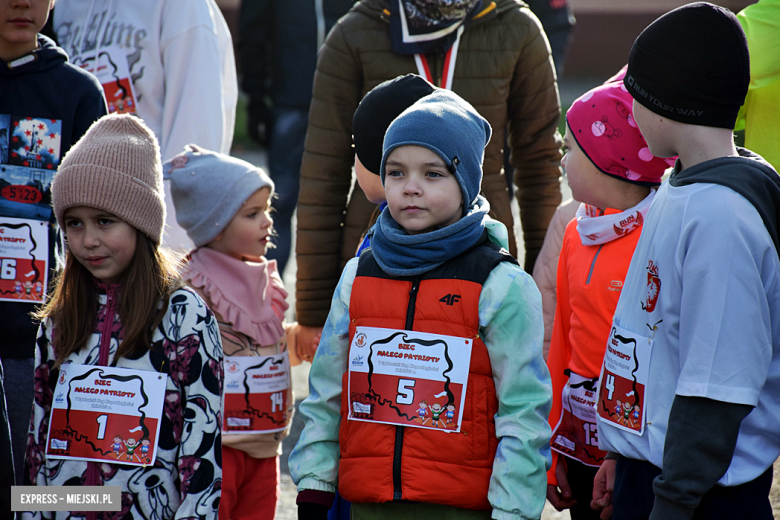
[614,179]
[117,445]
[382,419]
[224,205]
[131,445]
[422,412]
[450,414]
[436,411]
[129,361]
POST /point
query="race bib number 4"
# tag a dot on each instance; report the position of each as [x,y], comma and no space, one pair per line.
[408,378]
[256,393]
[106,414]
[621,398]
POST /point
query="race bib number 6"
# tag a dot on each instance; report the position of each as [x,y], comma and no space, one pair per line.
[106,414]
[408,378]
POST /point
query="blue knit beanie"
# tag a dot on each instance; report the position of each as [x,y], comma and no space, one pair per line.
[209,188]
[452,129]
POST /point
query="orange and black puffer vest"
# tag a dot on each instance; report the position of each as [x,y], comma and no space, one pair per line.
[380,462]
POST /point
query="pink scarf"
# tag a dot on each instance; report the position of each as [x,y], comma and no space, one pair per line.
[249,296]
[596,228]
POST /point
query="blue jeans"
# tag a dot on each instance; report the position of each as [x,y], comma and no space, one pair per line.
[284,165]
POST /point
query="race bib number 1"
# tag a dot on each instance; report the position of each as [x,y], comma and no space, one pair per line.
[408,378]
[623,381]
[106,414]
[256,393]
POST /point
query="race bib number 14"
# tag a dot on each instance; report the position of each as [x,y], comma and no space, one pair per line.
[106,414]
[256,393]
[408,378]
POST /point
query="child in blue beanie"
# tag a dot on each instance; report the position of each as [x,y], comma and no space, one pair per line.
[434,318]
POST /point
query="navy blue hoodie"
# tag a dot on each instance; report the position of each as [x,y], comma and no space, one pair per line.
[46,105]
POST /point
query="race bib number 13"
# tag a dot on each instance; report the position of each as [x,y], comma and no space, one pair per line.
[623,381]
[106,414]
[408,378]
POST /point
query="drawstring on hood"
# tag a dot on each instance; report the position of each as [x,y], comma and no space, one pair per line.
[46,56]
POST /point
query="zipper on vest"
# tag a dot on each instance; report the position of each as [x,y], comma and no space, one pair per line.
[399,430]
[593,264]
[412,303]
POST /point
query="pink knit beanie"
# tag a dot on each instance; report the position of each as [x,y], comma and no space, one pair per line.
[602,122]
[115,167]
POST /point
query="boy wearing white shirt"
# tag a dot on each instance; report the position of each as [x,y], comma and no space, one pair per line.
[696,335]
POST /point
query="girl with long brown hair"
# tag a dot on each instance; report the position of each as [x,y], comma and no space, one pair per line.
[128,376]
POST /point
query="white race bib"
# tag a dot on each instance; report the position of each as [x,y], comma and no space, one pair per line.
[106,414]
[113,73]
[576,434]
[256,393]
[623,380]
[408,378]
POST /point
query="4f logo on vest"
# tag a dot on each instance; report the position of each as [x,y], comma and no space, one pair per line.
[450,299]
[653,287]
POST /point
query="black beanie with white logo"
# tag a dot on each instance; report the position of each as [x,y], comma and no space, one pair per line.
[691,65]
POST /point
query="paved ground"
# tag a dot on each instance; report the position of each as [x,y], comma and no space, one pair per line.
[286,509]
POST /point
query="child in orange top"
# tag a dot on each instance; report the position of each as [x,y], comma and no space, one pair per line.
[612,172]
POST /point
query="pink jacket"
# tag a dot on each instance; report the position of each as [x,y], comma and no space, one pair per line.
[546,268]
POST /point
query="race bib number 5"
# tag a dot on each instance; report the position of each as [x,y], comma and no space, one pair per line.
[408,378]
[106,414]
[623,381]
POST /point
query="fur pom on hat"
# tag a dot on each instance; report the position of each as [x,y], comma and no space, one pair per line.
[114,167]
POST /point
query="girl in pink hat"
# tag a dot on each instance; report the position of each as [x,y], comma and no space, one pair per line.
[614,175]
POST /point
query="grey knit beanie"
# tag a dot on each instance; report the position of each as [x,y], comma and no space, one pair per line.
[115,167]
[208,189]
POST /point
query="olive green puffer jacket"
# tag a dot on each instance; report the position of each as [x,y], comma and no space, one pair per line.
[503,69]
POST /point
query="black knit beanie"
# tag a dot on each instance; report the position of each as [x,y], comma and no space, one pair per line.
[378,109]
[691,65]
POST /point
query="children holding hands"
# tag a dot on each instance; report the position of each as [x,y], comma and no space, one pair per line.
[224,204]
[437,265]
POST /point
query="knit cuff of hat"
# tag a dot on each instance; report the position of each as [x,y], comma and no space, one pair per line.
[681,105]
[216,220]
[113,191]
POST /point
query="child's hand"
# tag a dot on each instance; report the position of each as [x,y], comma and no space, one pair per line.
[560,495]
[307,341]
[291,330]
[603,486]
